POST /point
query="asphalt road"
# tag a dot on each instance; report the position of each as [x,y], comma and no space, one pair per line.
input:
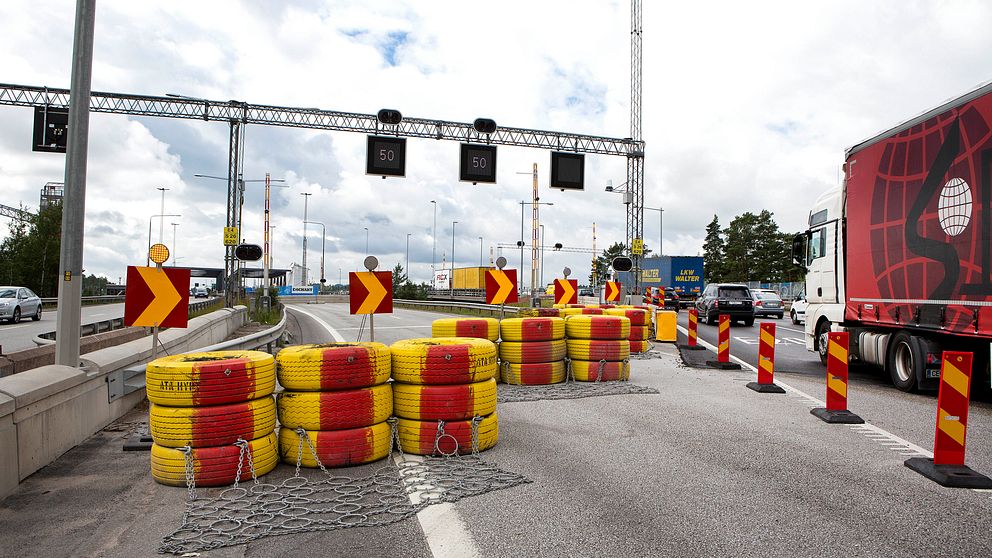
[704,468]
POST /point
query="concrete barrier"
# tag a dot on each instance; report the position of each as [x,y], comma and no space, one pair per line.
[49,410]
[29,359]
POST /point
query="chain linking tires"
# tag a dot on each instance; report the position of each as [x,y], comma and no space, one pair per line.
[448,437]
[335,448]
[214,466]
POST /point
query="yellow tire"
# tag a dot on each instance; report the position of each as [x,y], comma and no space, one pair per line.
[597,327]
[418,437]
[445,360]
[211,378]
[335,410]
[534,374]
[480,328]
[448,402]
[639,333]
[587,371]
[213,466]
[532,329]
[212,425]
[581,311]
[539,313]
[637,316]
[333,366]
[638,347]
[598,349]
[650,310]
[336,448]
[526,352]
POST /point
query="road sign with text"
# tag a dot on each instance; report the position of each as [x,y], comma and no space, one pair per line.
[371,292]
[501,286]
[637,247]
[156,296]
[231,236]
[566,291]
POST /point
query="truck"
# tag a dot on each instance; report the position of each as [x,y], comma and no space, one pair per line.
[683,273]
[900,254]
[469,278]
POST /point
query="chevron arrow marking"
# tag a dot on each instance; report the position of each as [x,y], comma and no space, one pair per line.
[166,296]
[376,292]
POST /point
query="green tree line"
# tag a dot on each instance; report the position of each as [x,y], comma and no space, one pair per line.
[751,248]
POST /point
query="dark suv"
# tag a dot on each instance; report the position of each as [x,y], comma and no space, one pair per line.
[726,298]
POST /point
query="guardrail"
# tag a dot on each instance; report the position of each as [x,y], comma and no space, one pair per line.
[448,304]
[104,299]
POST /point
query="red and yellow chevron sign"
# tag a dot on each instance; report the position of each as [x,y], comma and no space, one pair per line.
[723,339]
[501,286]
[371,292]
[156,297]
[952,408]
[566,291]
[612,291]
[766,354]
[837,371]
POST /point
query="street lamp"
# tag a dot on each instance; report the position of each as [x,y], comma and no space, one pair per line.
[434,247]
[323,236]
[661,224]
[452,278]
[366,241]
[407,256]
[161,225]
[480,252]
[542,256]
[174,251]
[159,215]
[306,201]
[522,243]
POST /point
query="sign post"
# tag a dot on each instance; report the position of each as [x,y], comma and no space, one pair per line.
[371,292]
[501,286]
[156,296]
[566,290]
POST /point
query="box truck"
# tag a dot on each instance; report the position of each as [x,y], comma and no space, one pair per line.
[900,255]
[683,273]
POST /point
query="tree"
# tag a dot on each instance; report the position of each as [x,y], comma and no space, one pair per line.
[740,251]
[404,289]
[604,262]
[399,277]
[29,256]
[713,252]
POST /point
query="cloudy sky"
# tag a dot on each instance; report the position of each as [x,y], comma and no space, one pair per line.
[747,106]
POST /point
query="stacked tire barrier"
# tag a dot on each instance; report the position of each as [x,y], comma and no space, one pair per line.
[212,417]
[533,350]
[539,313]
[598,347]
[640,327]
[444,395]
[579,311]
[334,409]
[480,328]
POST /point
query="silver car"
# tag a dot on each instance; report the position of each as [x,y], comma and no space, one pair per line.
[18,302]
[767,303]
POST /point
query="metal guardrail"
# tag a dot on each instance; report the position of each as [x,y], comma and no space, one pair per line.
[111,324]
[54,300]
[131,379]
[441,304]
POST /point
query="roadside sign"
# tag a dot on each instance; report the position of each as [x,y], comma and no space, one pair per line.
[637,247]
[156,297]
[231,236]
[612,291]
[567,171]
[50,129]
[385,156]
[566,291]
[371,292]
[501,286]
[478,163]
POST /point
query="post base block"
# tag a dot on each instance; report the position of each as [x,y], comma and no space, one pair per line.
[836,417]
[685,347]
[951,476]
[723,365]
[138,443]
[765,388]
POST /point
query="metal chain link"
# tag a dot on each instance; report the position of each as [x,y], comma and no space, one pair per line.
[440,435]
[475,434]
[600,369]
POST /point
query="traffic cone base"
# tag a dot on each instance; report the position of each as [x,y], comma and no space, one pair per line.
[836,417]
[951,476]
[686,347]
[723,365]
[765,388]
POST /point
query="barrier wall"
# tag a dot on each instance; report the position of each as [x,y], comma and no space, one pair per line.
[49,410]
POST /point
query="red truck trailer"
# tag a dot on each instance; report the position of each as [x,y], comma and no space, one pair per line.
[899,255]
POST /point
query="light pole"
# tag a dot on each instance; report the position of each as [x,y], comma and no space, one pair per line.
[323,236]
[480,251]
[148,261]
[434,247]
[452,278]
[161,225]
[661,223]
[522,243]
[306,201]
[174,251]
[542,257]
[407,256]
[366,241]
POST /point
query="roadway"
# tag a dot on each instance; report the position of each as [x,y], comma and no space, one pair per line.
[704,468]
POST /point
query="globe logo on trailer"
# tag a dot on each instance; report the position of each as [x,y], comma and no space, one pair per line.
[954,206]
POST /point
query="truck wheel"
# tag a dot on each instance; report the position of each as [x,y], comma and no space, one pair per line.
[822,337]
[904,359]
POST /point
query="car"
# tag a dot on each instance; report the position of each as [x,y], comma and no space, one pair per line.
[585,291]
[768,303]
[18,302]
[732,299]
[798,312]
[200,292]
[653,295]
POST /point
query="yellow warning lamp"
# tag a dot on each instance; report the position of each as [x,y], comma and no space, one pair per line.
[158,253]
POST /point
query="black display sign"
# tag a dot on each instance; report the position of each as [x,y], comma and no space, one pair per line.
[50,129]
[248,252]
[386,156]
[567,171]
[622,263]
[478,163]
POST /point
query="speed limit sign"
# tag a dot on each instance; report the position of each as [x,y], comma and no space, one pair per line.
[385,156]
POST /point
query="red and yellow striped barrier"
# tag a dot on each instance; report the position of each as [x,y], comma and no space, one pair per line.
[335,410]
[211,378]
[336,448]
[532,329]
[597,327]
[212,425]
[534,374]
[598,349]
[766,354]
[527,352]
[333,366]
[693,327]
[453,360]
[591,371]
[581,311]
[539,312]
[447,402]
[637,316]
[418,437]
[213,466]
[723,337]
[480,328]
[952,408]
[837,362]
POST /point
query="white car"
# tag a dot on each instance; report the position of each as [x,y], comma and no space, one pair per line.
[798,312]
[19,302]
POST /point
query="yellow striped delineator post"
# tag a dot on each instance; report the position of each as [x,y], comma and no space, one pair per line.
[837,361]
[947,467]
[723,347]
[766,361]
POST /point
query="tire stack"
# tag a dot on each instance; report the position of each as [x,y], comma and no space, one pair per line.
[443,390]
[580,311]
[533,350]
[207,402]
[598,347]
[640,327]
[480,328]
[338,394]
[539,313]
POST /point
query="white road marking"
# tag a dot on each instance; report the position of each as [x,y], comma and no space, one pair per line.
[377,328]
[334,333]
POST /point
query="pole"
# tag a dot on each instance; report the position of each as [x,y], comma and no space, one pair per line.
[407,256]
[480,253]
[451,279]
[542,256]
[535,222]
[174,251]
[161,224]
[521,285]
[372,328]
[434,246]
[265,242]
[366,241]
[661,230]
[74,202]
[306,200]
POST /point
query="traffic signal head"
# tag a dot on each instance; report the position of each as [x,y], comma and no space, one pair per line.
[248,252]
